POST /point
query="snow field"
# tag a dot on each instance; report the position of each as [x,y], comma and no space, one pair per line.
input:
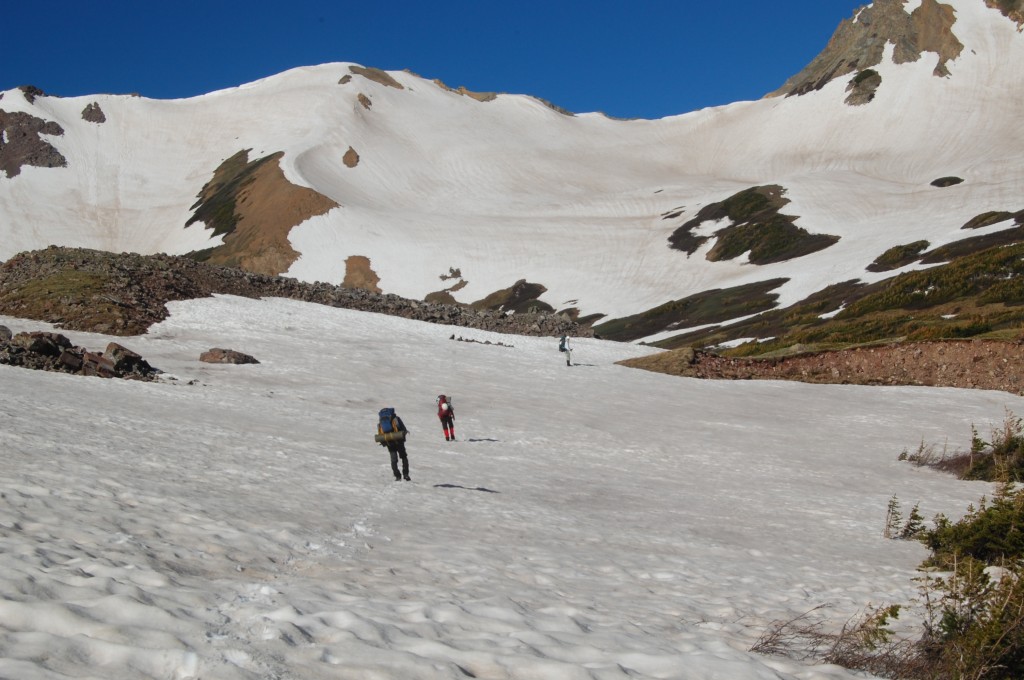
[591,522]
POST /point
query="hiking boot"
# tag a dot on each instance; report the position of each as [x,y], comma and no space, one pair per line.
[407,478]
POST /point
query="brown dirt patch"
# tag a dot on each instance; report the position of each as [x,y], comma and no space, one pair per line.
[359,274]
[376,75]
[351,158]
[266,208]
[975,364]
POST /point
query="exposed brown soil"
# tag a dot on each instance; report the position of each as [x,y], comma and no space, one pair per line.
[376,75]
[359,274]
[976,364]
[351,158]
[267,208]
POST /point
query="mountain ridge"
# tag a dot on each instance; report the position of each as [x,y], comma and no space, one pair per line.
[417,180]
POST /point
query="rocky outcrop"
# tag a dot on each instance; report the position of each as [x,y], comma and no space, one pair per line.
[93,113]
[863,87]
[21,143]
[47,351]
[859,43]
[124,294]
[975,364]
[30,92]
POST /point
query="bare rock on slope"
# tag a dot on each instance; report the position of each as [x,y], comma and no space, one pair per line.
[859,43]
[21,143]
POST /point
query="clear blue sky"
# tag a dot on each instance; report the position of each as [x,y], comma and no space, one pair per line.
[628,58]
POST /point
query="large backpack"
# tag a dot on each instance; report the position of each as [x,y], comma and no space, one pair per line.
[390,427]
[387,422]
[562,344]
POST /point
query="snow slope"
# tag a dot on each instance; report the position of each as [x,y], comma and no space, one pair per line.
[238,522]
[510,189]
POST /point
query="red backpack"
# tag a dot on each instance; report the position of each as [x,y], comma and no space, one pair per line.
[444,406]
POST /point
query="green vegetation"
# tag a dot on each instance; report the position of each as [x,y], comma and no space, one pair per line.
[975,244]
[974,624]
[520,298]
[707,307]
[971,588]
[987,219]
[775,240]
[757,227]
[898,256]
[50,297]
[978,292]
[865,75]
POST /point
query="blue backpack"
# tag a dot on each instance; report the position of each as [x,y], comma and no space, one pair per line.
[387,416]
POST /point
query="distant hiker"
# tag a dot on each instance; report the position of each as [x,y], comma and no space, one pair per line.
[391,433]
[563,346]
[446,414]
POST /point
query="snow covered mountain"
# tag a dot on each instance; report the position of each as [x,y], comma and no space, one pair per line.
[904,130]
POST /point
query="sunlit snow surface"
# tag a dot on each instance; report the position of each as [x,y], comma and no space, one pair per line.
[591,521]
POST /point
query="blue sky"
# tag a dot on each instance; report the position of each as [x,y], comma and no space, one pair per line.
[628,58]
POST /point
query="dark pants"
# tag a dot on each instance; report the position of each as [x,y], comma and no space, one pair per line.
[448,423]
[397,450]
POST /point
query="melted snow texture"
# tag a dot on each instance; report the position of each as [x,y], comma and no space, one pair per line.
[590,522]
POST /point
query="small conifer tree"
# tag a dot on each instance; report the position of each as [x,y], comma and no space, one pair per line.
[914,524]
[893,518]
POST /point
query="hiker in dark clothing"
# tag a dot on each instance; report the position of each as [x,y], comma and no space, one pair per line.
[564,346]
[391,433]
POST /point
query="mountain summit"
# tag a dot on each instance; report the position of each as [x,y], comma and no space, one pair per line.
[900,141]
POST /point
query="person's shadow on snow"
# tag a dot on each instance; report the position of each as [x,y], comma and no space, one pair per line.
[459,486]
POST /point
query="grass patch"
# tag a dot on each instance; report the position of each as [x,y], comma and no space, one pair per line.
[52,298]
[898,256]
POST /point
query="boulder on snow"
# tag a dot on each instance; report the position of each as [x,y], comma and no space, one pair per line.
[41,342]
[124,360]
[217,355]
[5,334]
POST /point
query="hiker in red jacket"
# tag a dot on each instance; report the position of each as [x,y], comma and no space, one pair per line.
[446,414]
